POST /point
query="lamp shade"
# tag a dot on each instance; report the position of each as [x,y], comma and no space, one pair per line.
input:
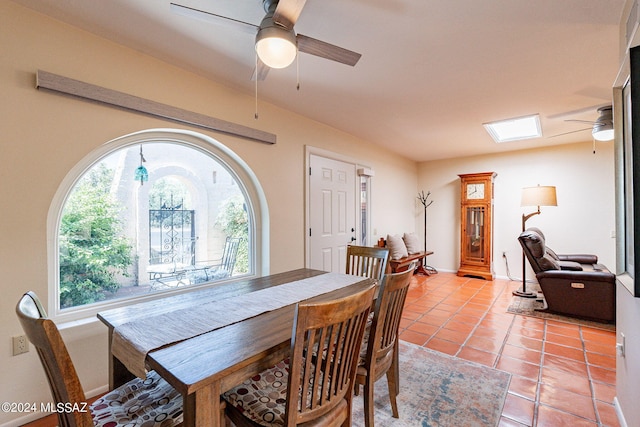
[141,174]
[276,46]
[539,196]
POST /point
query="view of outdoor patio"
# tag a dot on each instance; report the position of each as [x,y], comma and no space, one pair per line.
[151,217]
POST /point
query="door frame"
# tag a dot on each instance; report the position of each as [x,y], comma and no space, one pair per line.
[320,152]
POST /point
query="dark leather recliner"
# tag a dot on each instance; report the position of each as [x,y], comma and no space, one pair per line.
[574,285]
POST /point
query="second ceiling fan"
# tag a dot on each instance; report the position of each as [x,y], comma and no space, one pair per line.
[601,129]
[277,44]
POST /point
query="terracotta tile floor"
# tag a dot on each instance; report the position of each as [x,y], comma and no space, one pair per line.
[562,373]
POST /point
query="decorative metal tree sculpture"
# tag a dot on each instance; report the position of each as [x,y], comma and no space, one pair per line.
[424,268]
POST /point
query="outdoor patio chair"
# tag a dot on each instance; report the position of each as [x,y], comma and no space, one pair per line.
[204,271]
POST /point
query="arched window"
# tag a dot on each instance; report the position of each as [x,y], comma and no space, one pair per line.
[153,212]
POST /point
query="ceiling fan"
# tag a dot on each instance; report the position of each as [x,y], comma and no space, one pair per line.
[601,129]
[277,44]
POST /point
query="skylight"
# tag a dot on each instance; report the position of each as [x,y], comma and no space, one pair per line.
[515,129]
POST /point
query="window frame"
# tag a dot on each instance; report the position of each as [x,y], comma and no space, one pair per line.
[238,168]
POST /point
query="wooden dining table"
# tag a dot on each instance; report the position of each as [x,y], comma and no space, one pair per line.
[202,367]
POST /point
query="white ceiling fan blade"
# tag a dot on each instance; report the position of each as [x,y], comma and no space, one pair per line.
[327,50]
[567,133]
[578,111]
[287,12]
[591,122]
[212,18]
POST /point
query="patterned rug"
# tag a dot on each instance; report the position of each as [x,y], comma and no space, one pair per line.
[533,307]
[438,390]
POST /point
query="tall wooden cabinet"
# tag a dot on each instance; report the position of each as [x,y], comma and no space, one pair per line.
[476,223]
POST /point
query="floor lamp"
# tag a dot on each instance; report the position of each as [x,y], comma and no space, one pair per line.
[534,196]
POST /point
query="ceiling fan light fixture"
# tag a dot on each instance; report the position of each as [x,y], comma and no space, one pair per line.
[603,127]
[605,133]
[276,46]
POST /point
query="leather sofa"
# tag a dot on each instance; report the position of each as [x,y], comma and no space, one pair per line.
[573,284]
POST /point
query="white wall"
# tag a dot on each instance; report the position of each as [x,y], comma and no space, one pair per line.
[627,307]
[44,135]
[582,222]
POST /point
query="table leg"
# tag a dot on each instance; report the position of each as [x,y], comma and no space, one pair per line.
[202,408]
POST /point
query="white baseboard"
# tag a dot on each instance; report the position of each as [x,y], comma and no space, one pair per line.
[621,420]
[22,420]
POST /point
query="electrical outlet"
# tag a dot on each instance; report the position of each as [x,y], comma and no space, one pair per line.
[20,345]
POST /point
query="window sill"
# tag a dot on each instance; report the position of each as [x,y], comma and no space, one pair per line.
[76,330]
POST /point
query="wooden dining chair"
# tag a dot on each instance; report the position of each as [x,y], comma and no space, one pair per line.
[314,386]
[379,350]
[151,400]
[367,261]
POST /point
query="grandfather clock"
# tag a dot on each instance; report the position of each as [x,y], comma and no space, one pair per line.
[476,223]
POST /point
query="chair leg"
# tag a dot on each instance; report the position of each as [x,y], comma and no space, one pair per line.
[368,401]
[393,384]
[396,365]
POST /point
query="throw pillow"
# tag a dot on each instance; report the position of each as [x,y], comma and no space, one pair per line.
[396,246]
[412,243]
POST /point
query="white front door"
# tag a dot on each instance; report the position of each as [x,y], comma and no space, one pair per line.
[332,212]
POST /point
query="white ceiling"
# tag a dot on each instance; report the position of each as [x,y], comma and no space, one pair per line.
[432,71]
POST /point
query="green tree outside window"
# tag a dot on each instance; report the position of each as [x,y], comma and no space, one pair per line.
[93,250]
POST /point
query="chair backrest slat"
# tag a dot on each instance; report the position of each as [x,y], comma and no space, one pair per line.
[388,313]
[367,261]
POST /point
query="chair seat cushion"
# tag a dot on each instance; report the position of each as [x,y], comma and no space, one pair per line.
[262,397]
[148,402]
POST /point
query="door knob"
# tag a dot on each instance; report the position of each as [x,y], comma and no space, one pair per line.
[353,239]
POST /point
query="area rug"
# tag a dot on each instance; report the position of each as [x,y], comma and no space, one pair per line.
[533,306]
[438,390]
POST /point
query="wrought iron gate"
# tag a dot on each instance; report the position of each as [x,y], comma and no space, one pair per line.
[172,236]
